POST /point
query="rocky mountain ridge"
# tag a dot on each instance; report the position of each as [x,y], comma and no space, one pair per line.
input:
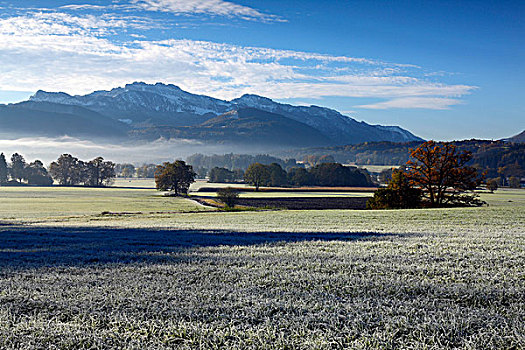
[162,110]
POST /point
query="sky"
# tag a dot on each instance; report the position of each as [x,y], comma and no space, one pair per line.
[444,70]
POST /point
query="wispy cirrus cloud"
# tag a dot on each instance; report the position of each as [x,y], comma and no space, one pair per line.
[436,103]
[40,24]
[88,7]
[185,7]
[212,7]
[76,53]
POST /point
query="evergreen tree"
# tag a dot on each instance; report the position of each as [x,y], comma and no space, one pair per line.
[18,167]
[4,170]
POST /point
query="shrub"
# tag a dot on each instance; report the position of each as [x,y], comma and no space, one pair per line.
[398,195]
[228,196]
[492,185]
[514,182]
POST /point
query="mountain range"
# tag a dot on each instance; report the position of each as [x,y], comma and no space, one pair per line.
[142,111]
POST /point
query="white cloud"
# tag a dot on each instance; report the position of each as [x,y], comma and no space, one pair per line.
[185,7]
[40,24]
[63,52]
[436,103]
[86,7]
[210,7]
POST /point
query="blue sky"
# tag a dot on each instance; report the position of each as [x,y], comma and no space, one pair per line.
[443,69]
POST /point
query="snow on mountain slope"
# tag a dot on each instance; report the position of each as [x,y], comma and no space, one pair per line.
[341,129]
[140,98]
[160,104]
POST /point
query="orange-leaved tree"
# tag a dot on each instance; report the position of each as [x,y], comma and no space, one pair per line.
[440,170]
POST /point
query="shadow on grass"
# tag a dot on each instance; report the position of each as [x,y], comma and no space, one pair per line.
[22,246]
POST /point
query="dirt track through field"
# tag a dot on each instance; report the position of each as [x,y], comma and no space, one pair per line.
[306,203]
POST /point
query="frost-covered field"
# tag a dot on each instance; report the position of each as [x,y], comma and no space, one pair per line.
[33,204]
[412,279]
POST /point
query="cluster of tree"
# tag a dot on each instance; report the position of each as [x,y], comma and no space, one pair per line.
[224,175]
[236,161]
[125,170]
[67,171]
[500,159]
[495,158]
[146,171]
[175,177]
[377,153]
[129,170]
[324,174]
[496,182]
[20,171]
[71,171]
[313,160]
[436,175]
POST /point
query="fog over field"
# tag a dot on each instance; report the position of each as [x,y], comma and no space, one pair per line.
[49,149]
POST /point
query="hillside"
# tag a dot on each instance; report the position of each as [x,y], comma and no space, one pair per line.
[339,128]
[260,127]
[53,120]
[246,126]
[520,138]
[487,155]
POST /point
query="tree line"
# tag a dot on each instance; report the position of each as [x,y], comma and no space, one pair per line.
[130,170]
[18,171]
[176,177]
[324,174]
[204,163]
[495,158]
[66,170]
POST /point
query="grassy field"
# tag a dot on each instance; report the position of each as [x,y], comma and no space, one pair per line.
[166,274]
[20,204]
[134,183]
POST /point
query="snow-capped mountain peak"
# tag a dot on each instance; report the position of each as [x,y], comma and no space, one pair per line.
[161,104]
